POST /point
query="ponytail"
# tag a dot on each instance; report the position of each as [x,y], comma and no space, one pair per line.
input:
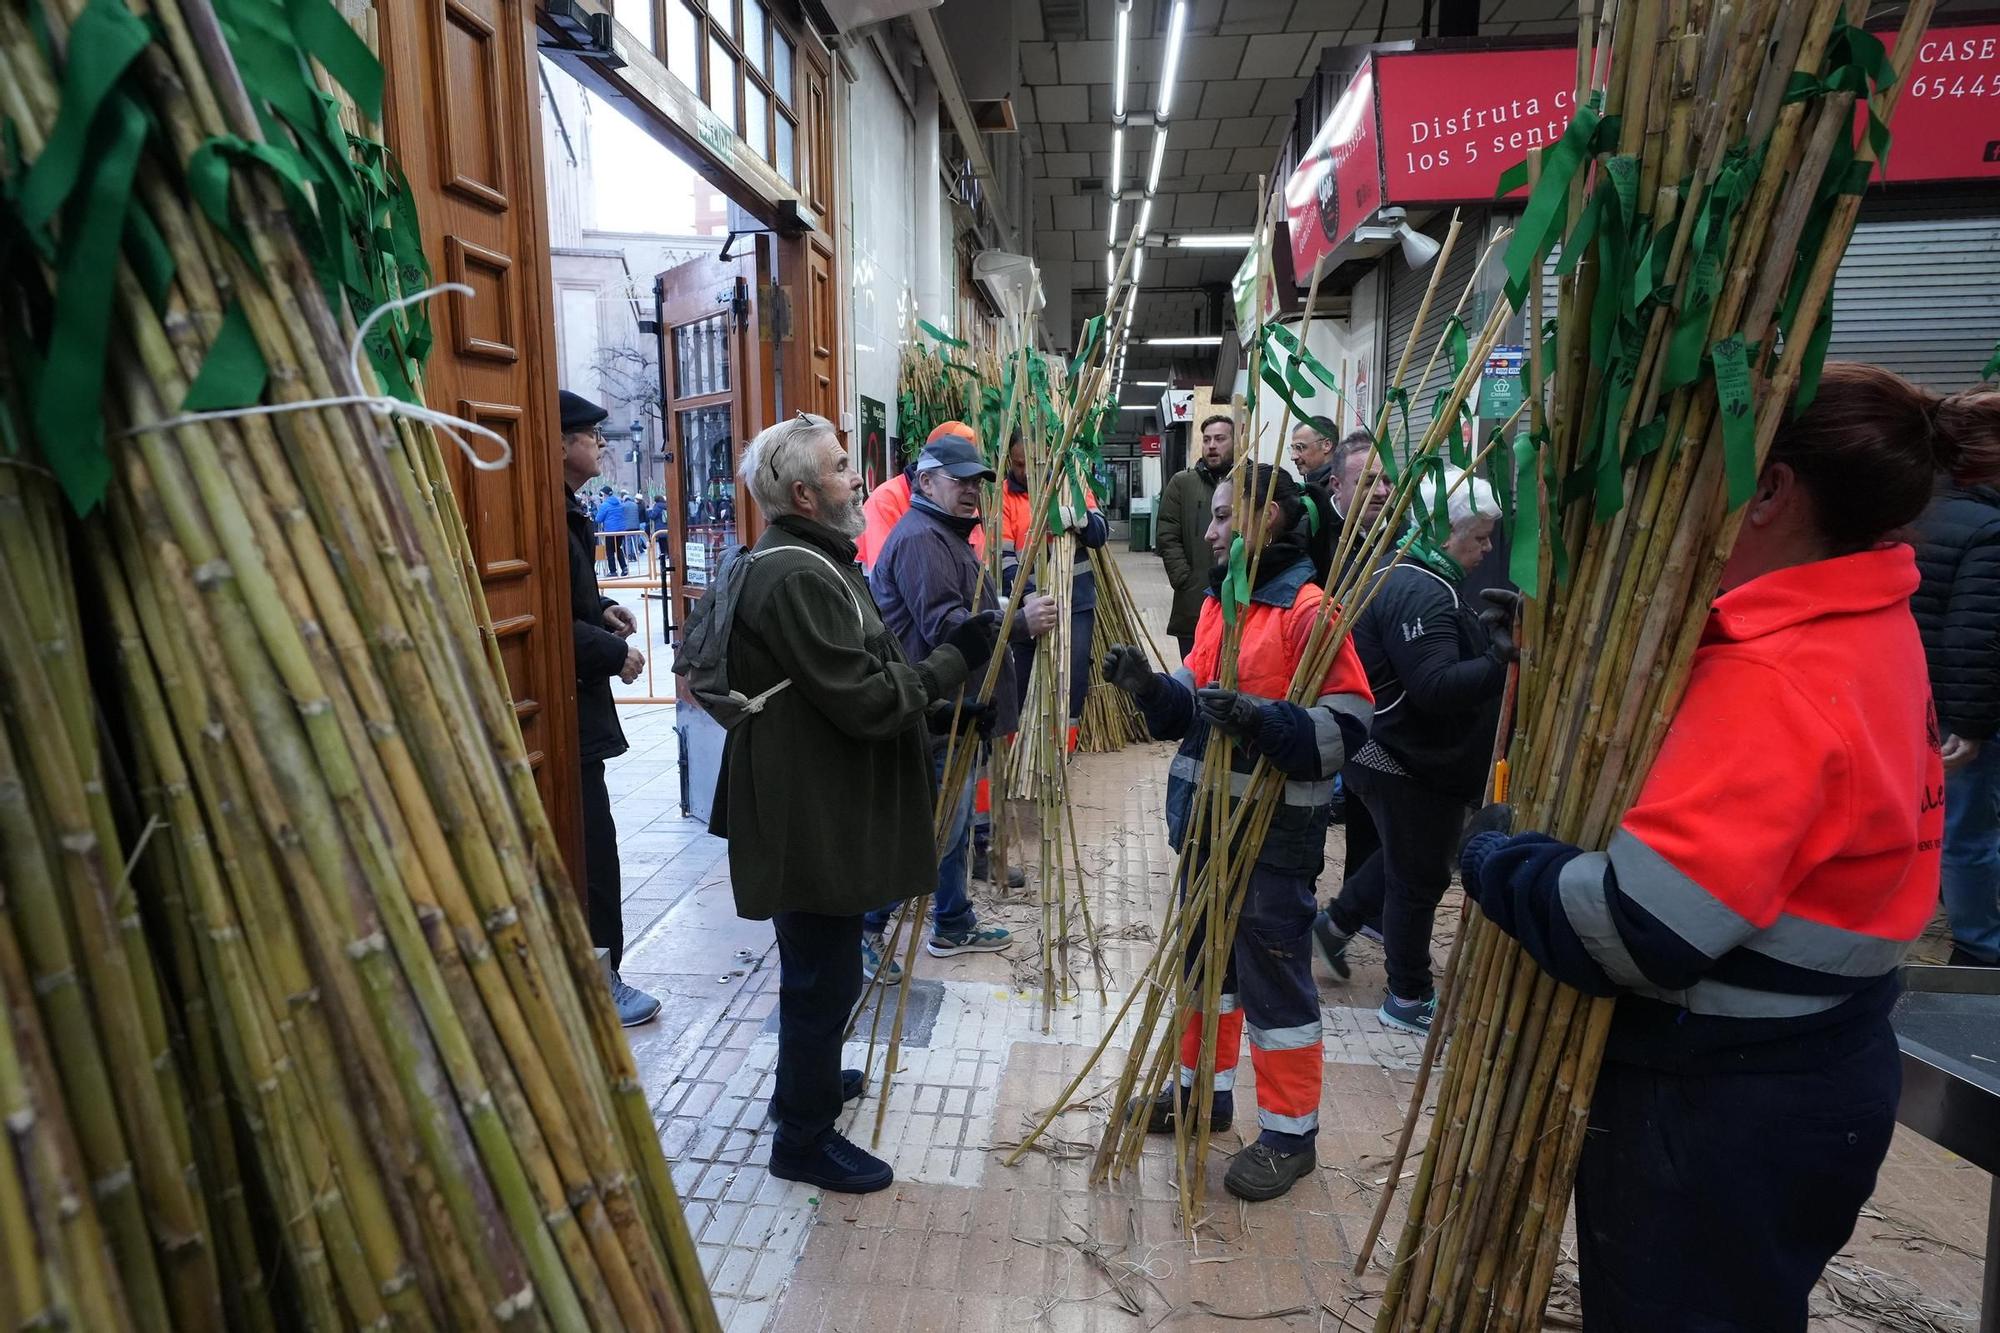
[1965,436]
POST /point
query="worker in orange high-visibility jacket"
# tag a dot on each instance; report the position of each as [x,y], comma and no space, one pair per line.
[1267,990]
[886,504]
[1756,900]
[1088,527]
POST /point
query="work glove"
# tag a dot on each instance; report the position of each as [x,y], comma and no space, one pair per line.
[974,638]
[1495,818]
[974,718]
[1230,712]
[1126,667]
[1498,618]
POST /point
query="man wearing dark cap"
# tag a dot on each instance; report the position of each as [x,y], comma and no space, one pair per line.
[927,582]
[602,629]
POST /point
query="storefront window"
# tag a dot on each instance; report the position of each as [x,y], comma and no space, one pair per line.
[684,43]
[636,16]
[784,154]
[742,63]
[708,488]
[722,83]
[754,36]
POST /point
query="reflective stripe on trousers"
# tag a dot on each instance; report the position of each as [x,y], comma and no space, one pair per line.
[1270,974]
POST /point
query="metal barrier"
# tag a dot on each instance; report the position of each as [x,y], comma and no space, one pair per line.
[654,585]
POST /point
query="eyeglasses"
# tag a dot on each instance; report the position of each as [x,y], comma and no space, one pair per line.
[772,464]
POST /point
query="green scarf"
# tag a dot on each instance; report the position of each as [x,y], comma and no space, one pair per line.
[1419,547]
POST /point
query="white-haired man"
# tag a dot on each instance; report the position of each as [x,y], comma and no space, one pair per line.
[824,795]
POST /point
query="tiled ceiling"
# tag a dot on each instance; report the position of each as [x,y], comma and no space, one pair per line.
[1243,65]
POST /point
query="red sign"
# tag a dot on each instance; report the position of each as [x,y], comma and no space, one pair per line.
[1338,185]
[1149,446]
[1947,122]
[1452,121]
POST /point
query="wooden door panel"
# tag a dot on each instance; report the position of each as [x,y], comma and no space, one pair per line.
[462,101]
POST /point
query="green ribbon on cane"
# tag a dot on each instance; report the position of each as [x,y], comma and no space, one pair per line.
[1734,395]
[1542,221]
[1235,581]
[1524,535]
[938,335]
[1991,370]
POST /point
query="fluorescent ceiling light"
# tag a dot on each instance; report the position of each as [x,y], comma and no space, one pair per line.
[1114,237]
[1152,384]
[1117,160]
[1138,262]
[1233,240]
[1145,220]
[1192,340]
[1159,156]
[1118,76]
[1136,407]
[1175,32]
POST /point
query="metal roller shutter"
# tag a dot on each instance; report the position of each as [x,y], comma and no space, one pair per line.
[1406,294]
[1921,297]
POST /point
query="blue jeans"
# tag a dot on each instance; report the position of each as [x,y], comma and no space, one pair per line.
[1971,869]
[951,903]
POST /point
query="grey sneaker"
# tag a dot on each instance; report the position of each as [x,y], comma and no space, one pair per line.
[634,1005]
[980,939]
[1409,1015]
[875,958]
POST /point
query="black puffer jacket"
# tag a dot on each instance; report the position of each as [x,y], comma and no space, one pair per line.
[1436,677]
[1957,606]
[600,654]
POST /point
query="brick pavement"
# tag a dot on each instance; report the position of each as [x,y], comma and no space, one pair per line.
[963,1241]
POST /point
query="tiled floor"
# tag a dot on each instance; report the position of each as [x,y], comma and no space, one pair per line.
[964,1241]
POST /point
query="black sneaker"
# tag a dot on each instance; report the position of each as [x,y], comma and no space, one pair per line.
[982,870]
[832,1164]
[1260,1172]
[1332,945]
[1961,957]
[1162,1109]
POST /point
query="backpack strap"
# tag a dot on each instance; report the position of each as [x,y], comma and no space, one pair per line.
[754,704]
[859,619]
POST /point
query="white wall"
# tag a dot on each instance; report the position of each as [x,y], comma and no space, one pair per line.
[1332,342]
[882,184]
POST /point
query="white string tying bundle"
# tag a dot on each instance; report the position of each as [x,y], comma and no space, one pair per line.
[380,404]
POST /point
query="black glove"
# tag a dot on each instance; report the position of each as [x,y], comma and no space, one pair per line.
[1126,667]
[1231,713]
[1495,818]
[975,718]
[1503,605]
[974,638]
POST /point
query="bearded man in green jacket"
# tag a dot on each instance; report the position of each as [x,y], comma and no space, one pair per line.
[825,794]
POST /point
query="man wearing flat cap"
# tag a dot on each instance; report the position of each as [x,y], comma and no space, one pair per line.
[602,630]
[927,581]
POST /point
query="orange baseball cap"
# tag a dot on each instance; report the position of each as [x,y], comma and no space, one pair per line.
[958,429]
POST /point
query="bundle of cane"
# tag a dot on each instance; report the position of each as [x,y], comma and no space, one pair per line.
[1111,721]
[1232,812]
[1088,377]
[1717,152]
[933,381]
[342,1055]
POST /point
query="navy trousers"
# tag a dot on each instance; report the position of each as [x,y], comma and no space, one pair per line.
[1711,1203]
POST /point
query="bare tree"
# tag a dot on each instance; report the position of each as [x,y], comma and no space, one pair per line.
[630,376]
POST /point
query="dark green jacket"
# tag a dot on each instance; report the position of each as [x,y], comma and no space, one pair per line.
[1182,539]
[825,796]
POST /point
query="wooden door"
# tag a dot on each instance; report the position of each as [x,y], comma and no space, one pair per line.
[714,380]
[462,115]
